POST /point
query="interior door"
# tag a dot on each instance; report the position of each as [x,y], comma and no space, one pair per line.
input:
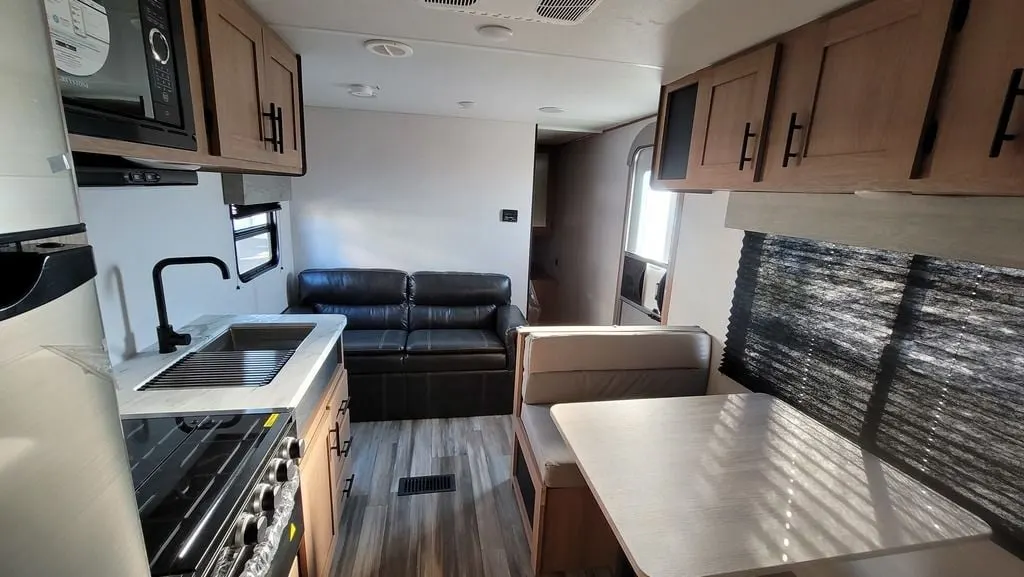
[854,112]
[281,73]
[731,120]
[235,58]
[980,142]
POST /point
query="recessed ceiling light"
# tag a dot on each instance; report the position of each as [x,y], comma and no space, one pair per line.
[363,90]
[551,109]
[495,32]
[388,48]
[466,104]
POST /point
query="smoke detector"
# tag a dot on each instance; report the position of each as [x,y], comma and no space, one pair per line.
[564,12]
[363,90]
[388,48]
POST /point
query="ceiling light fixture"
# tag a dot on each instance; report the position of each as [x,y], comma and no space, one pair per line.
[363,90]
[551,110]
[388,48]
[495,32]
[466,104]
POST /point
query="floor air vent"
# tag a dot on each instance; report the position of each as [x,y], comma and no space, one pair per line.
[426,484]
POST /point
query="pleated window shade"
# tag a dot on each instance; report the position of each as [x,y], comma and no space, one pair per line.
[920,360]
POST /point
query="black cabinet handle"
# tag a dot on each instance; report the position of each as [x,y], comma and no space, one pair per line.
[747,135]
[336,447]
[1013,92]
[793,127]
[344,406]
[280,130]
[275,135]
[348,485]
[347,448]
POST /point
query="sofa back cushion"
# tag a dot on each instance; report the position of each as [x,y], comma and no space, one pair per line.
[372,299]
[455,300]
[601,366]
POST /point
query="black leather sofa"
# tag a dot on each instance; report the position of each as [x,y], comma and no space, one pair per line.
[426,345]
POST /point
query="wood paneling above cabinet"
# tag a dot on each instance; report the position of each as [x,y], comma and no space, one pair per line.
[898,95]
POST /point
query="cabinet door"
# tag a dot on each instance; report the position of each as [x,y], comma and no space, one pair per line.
[318,503]
[234,60]
[731,120]
[983,105]
[860,103]
[281,74]
[674,135]
[343,489]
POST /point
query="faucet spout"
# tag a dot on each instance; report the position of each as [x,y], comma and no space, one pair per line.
[168,339]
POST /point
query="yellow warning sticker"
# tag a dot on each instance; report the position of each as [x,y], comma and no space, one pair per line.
[292,530]
[271,420]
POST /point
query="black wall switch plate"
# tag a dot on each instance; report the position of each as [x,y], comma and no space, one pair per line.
[508,215]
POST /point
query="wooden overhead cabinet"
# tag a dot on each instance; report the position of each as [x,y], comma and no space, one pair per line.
[731,120]
[711,125]
[854,97]
[252,87]
[979,146]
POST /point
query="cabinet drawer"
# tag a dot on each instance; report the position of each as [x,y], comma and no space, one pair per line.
[338,404]
[343,490]
[340,440]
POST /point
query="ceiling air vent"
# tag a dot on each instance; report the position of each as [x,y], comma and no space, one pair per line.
[564,12]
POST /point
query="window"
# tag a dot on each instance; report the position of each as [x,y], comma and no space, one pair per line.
[257,247]
[918,359]
[652,214]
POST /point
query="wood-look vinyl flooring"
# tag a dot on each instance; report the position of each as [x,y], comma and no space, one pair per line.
[475,531]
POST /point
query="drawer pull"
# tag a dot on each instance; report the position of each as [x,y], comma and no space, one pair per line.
[747,135]
[336,431]
[347,448]
[793,127]
[344,406]
[348,485]
[1013,92]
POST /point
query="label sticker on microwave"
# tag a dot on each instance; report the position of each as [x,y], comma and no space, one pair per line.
[80,34]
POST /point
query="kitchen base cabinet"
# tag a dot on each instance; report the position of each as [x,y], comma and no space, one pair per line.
[326,480]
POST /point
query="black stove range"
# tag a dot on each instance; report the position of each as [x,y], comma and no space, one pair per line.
[218,494]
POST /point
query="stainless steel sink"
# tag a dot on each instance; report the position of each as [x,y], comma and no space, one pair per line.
[259,337]
[242,356]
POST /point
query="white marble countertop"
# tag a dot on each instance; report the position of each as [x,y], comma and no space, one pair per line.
[285,392]
[746,485]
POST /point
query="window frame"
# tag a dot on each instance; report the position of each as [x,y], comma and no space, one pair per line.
[238,212]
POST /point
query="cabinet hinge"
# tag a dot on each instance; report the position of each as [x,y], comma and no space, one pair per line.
[931,132]
[961,9]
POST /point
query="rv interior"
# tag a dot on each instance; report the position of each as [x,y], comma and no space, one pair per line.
[512,288]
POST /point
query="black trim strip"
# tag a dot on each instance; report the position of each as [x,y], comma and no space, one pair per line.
[239,211]
[41,233]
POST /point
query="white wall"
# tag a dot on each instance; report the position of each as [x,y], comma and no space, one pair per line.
[131,228]
[589,190]
[415,193]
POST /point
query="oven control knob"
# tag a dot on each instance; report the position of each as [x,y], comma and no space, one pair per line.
[263,499]
[292,448]
[282,471]
[250,530]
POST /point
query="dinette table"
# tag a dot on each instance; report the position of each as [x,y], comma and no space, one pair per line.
[737,485]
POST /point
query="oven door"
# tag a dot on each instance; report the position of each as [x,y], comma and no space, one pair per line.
[122,70]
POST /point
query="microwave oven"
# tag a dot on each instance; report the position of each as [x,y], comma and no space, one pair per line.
[122,70]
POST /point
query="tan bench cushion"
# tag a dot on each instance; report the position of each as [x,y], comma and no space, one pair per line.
[557,463]
[596,366]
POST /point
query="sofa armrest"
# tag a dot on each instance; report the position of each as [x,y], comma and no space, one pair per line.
[510,318]
[299,310]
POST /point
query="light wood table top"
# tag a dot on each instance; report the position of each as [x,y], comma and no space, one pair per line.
[746,485]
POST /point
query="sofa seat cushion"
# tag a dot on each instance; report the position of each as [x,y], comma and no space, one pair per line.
[374,342]
[557,464]
[447,341]
[454,362]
